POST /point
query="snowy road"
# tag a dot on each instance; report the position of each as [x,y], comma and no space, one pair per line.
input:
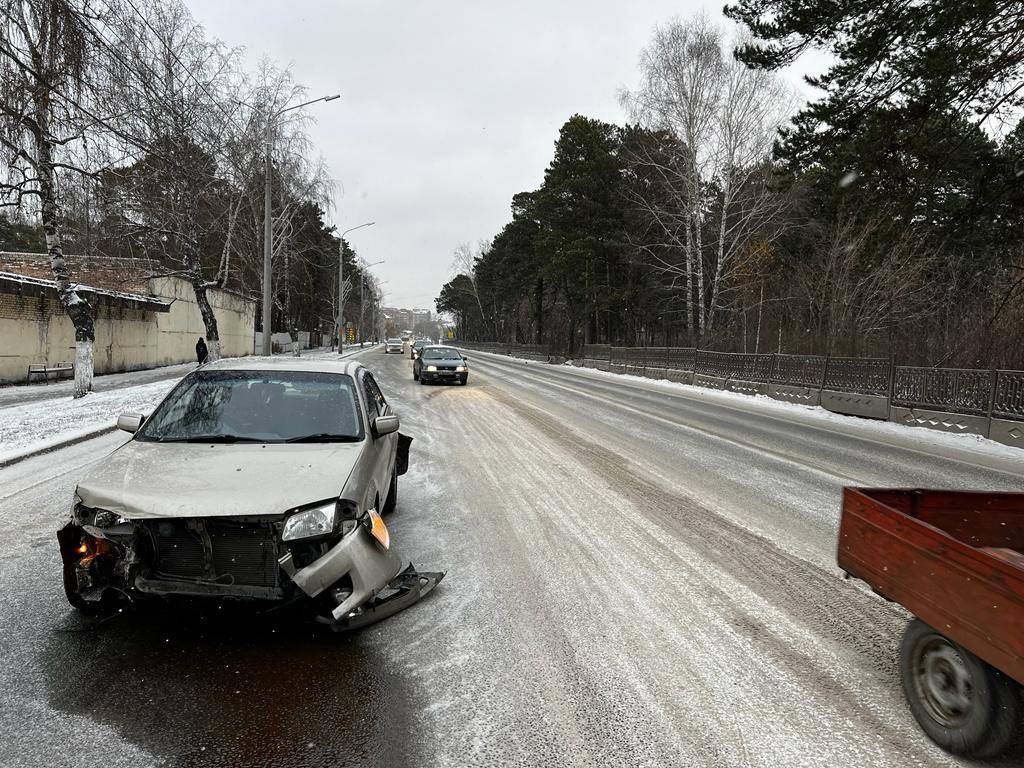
[638,575]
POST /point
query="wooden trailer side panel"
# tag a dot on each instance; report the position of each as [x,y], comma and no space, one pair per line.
[974,597]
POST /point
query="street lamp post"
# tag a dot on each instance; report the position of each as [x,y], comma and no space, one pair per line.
[362,284]
[267,231]
[341,279]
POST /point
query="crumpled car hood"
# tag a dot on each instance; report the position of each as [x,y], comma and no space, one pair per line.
[155,480]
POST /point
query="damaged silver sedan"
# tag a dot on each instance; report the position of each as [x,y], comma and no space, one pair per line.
[260,480]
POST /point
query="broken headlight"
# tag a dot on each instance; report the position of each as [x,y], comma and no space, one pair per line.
[320,520]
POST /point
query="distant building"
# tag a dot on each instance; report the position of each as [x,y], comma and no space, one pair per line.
[408,318]
[144,317]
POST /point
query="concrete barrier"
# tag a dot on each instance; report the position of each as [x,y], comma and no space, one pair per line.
[795,394]
[1007,432]
[854,404]
[947,422]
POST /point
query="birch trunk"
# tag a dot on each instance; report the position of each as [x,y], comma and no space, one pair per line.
[78,309]
[720,251]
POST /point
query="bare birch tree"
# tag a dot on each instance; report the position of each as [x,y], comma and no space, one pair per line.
[708,193]
[47,73]
[176,85]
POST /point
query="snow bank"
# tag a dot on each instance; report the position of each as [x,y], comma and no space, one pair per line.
[48,423]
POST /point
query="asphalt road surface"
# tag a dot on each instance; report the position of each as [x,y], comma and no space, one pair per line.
[637,576]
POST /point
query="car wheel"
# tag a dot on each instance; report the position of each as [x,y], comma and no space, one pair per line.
[964,705]
[392,500]
[422,380]
[463,380]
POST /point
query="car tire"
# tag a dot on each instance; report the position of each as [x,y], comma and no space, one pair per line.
[392,499]
[463,380]
[422,380]
[964,705]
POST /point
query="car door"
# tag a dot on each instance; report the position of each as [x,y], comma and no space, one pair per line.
[383,448]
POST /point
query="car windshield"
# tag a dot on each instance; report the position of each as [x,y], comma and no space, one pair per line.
[258,406]
[440,353]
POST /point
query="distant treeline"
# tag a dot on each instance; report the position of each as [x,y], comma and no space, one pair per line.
[884,217]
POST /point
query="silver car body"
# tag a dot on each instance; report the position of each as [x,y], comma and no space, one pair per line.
[394,345]
[203,486]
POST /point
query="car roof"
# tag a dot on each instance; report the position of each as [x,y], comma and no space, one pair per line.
[286,363]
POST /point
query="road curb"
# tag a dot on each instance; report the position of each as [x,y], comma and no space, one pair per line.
[80,437]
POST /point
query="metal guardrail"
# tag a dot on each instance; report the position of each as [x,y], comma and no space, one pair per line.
[971,392]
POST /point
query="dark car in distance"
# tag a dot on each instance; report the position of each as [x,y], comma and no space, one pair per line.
[417,346]
[435,363]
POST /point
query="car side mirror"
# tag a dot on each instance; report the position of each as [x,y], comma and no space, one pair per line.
[130,422]
[465,358]
[385,425]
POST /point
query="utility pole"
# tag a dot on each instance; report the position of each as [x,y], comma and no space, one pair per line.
[268,244]
[362,292]
[340,320]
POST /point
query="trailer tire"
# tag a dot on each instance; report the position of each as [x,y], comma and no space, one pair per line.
[964,705]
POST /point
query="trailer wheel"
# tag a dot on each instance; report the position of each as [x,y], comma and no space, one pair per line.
[964,705]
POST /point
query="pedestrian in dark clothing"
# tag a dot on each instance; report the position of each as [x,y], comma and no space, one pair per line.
[201,351]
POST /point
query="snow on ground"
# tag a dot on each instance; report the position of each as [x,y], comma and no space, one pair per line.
[20,394]
[25,428]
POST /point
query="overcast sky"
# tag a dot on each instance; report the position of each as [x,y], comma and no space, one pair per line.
[447,108]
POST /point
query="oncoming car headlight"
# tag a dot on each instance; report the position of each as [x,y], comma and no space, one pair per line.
[460,369]
[431,367]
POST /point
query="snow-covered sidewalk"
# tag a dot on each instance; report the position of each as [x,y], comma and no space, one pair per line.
[20,394]
[35,427]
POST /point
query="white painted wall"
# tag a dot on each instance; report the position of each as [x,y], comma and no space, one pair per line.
[35,330]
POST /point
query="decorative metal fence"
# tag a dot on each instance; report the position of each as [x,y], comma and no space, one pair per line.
[862,375]
[799,370]
[681,358]
[956,390]
[1008,397]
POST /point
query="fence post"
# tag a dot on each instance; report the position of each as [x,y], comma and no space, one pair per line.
[892,385]
[771,371]
[991,401]
[696,365]
[824,375]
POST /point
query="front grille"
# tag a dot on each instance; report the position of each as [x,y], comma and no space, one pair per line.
[240,552]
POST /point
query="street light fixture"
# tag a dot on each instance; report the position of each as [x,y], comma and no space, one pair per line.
[340,321]
[267,232]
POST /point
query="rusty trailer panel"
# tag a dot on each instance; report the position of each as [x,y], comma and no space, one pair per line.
[954,559]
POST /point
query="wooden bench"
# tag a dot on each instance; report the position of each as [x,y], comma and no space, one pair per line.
[42,372]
